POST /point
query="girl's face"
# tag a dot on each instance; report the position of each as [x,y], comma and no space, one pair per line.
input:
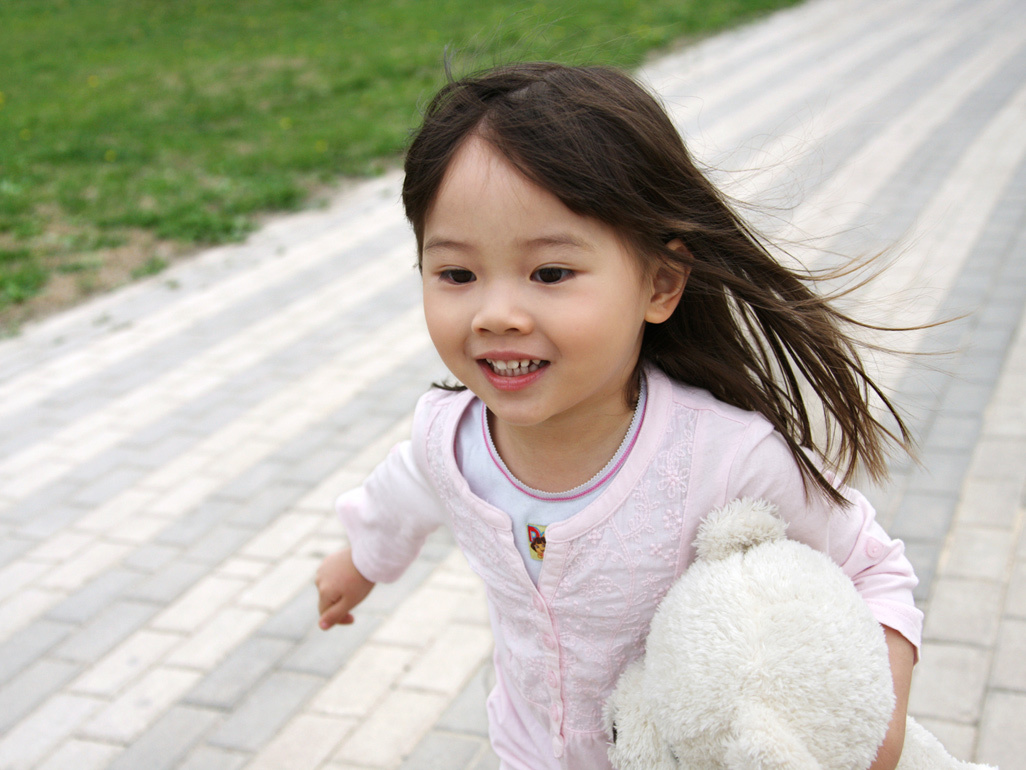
[539,311]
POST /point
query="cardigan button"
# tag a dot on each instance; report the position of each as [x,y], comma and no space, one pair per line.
[556,712]
[557,747]
[539,604]
[553,680]
[549,641]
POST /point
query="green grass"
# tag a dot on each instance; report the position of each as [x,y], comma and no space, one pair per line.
[186,118]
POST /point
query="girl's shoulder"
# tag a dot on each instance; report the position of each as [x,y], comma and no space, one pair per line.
[440,406]
[705,405]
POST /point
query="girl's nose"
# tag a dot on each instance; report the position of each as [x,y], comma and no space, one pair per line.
[502,312]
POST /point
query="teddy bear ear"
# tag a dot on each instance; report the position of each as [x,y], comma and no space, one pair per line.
[738,526]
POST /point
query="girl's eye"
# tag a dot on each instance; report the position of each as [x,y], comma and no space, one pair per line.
[457,276]
[552,274]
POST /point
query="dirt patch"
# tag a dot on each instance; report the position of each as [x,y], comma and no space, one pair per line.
[94,272]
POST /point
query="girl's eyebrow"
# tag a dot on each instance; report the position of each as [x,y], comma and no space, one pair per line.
[444,243]
[557,239]
[542,241]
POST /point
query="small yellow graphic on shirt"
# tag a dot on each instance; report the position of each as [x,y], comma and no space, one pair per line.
[536,537]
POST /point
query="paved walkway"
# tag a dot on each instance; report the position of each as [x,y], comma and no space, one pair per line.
[168,453]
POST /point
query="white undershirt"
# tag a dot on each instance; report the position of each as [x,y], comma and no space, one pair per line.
[490,479]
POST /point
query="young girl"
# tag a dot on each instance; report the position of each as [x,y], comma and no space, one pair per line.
[632,358]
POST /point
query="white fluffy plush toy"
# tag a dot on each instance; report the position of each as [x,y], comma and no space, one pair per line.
[762,657]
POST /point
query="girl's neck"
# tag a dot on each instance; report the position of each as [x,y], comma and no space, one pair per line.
[558,457]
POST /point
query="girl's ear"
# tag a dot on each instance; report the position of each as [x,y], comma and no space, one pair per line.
[668,283]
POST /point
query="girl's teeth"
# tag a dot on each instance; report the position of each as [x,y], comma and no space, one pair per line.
[512,368]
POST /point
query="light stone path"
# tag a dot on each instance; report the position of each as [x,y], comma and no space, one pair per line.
[169,453]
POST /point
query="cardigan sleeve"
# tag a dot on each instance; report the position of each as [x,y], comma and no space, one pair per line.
[850,535]
[388,517]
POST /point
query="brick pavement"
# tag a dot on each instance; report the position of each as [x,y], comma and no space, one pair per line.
[168,453]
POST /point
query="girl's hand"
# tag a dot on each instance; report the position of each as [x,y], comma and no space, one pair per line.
[340,587]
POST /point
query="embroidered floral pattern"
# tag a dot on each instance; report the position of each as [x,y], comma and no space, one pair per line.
[612,579]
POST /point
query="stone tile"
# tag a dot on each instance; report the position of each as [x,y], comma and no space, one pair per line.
[966,398]
[94,597]
[1009,671]
[963,610]
[188,529]
[48,726]
[443,752]
[1000,458]
[924,557]
[1002,739]
[296,619]
[451,660]
[488,761]
[107,630]
[218,544]
[422,617]
[267,505]
[217,638]
[304,744]
[31,687]
[325,652]
[170,739]
[942,471]
[236,675]
[393,730]
[126,663]
[370,673]
[21,574]
[22,609]
[949,682]
[140,705]
[282,536]
[923,515]
[210,758]
[280,584]
[989,502]
[81,755]
[387,596]
[168,583]
[466,714]
[29,644]
[265,711]
[107,486]
[954,431]
[979,553]
[198,604]
[1015,599]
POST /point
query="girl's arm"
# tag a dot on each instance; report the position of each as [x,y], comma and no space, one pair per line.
[902,658]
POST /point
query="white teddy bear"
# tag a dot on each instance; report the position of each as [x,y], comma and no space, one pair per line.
[761,657]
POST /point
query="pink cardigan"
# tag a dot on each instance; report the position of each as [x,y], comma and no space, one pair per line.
[560,646]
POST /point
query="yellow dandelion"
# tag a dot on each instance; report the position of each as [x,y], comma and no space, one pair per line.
[110,156]
[285,123]
[321,146]
[93,81]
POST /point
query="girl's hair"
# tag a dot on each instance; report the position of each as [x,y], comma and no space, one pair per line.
[747,329]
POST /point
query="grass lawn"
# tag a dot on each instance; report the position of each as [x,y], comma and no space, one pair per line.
[133,131]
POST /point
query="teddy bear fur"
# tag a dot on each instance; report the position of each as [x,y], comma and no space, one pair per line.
[761,657]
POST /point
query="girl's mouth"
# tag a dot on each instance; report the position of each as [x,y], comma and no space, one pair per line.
[515,368]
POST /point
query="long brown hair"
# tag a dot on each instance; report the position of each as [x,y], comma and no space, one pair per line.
[747,329]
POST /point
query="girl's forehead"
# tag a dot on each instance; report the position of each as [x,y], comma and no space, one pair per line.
[478,166]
